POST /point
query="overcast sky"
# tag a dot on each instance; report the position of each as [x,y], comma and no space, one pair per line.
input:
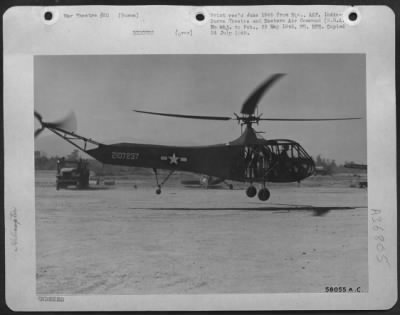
[103,91]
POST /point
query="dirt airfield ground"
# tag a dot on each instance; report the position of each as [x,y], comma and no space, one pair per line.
[126,240]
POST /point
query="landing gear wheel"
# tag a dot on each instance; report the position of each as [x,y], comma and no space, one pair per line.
[264,194]
[158,191]
[230,186]
[251,191]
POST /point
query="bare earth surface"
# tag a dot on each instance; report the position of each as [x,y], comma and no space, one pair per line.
[122,240]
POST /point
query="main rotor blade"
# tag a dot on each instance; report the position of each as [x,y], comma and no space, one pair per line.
[184,116]
[308,119]
[250,104]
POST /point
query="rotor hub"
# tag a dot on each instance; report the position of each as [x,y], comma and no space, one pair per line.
[248,120]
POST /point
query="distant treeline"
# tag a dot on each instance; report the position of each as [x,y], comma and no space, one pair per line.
[328,166]
[42,162]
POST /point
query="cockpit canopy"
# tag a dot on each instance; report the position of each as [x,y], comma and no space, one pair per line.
[278,160]
[290,147]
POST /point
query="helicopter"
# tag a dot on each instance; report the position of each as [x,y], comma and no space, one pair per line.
[250,158]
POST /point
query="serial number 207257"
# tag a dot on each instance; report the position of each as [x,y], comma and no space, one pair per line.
[124,155]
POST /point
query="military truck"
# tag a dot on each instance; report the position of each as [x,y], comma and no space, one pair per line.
[72,173]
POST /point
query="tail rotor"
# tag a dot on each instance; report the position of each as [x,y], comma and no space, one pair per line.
[66,124]
[42,127]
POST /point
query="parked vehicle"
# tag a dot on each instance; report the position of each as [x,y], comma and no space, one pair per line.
[72,173]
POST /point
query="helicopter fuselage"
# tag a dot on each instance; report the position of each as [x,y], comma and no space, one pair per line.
[246,159]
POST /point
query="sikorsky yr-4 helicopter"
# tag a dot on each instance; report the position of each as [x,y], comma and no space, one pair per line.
[249,158]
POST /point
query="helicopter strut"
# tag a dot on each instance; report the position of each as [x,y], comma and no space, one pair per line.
[159,185]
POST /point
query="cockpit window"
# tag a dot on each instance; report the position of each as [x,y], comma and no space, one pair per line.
[286,148]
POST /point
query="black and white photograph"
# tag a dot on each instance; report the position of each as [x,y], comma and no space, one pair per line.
[177,174]
[168,158]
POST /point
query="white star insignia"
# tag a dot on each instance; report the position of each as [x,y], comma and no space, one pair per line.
[173,159]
